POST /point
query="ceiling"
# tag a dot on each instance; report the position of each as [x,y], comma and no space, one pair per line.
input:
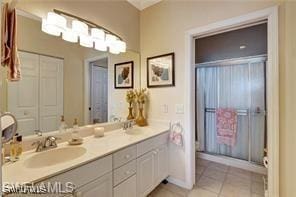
[142,4]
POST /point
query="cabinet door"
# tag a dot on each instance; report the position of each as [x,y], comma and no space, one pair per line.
[161,163]
[101,187]
[127,188]
[145,174]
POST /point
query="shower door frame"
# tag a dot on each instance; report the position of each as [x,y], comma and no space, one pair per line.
[272,88]
[241,112]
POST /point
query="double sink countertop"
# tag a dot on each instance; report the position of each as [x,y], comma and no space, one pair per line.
[25,171]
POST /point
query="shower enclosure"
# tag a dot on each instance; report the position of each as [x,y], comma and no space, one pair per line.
[238,84]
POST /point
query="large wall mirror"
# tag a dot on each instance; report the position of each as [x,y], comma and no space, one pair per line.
[60,78]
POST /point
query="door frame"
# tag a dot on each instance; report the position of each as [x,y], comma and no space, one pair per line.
[87,85]
[272,74]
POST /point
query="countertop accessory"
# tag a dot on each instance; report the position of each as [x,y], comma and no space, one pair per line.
[130,98]
[141,97]
[8,125]
[99,132]
[75,141]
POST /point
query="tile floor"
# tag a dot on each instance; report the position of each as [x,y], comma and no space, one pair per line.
[216,180]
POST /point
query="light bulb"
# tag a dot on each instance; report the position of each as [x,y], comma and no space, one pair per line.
[100,45]
[80,28]
[86,41]
[70,36]
[97,34]
[49,29]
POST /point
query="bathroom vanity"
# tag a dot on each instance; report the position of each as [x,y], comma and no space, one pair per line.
[120,164]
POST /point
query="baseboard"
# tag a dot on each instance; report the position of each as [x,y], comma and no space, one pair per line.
[233,162]
[179,183]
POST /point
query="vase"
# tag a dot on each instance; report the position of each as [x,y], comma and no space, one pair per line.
[130,114]
[141,121]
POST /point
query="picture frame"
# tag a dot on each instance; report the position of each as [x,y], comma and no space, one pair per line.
[161,71]
[124,75]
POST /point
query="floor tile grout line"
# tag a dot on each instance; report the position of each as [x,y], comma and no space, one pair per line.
[219,194]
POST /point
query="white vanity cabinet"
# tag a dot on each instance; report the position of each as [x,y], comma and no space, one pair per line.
[99,187]
[152,166]
[130,172]
[152,169]
[127,188]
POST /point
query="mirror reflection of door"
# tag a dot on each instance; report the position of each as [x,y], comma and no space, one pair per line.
[37,99]
[99,91]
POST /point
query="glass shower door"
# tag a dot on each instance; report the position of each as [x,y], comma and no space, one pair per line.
[240,86]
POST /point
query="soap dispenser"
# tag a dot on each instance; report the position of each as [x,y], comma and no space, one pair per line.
[13,149]
[76,138]
[63,125]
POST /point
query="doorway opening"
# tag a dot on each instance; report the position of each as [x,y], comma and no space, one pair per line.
[98,94]
[230,111]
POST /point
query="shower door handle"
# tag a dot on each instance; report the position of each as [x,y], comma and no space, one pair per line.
[258,111]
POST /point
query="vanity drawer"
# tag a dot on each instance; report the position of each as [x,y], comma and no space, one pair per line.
[123,156]
[124,172]
[152,143]
[85,173]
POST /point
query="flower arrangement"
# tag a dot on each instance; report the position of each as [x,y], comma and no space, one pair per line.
[130,97]
[141,95]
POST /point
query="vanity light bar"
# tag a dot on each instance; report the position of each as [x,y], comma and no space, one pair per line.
[99,38]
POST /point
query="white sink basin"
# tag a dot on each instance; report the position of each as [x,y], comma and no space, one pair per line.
[54,156]
[135,131]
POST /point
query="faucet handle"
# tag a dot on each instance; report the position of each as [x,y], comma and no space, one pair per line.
[38,132]
[36,143]
[52,140]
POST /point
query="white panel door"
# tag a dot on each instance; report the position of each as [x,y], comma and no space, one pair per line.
[145,174]
[99,94]
[161,164]
[51,93]
[23,95]
[127,188]
[101,187]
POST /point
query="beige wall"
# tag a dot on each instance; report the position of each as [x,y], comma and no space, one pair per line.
[287,100]
[118,16]
[162,30]
[119,106]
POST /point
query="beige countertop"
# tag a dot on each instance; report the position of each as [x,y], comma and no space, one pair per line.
[96,148]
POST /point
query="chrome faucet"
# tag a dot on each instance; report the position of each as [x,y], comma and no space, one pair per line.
[128,124]
[49,142]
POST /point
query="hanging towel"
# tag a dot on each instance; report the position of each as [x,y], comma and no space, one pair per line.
[176,134]
[9,54]
[226,126]
[5,50]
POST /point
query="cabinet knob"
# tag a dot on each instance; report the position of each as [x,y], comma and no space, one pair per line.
[127,156]
[127,172]
[154,152]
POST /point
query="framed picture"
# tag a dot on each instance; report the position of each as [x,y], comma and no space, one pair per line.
[124,75]
[161,71]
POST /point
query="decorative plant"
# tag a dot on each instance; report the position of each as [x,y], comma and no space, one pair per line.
[130,98]
[141,97]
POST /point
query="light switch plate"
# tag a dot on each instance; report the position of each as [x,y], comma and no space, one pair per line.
[164,108]
[179,108]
